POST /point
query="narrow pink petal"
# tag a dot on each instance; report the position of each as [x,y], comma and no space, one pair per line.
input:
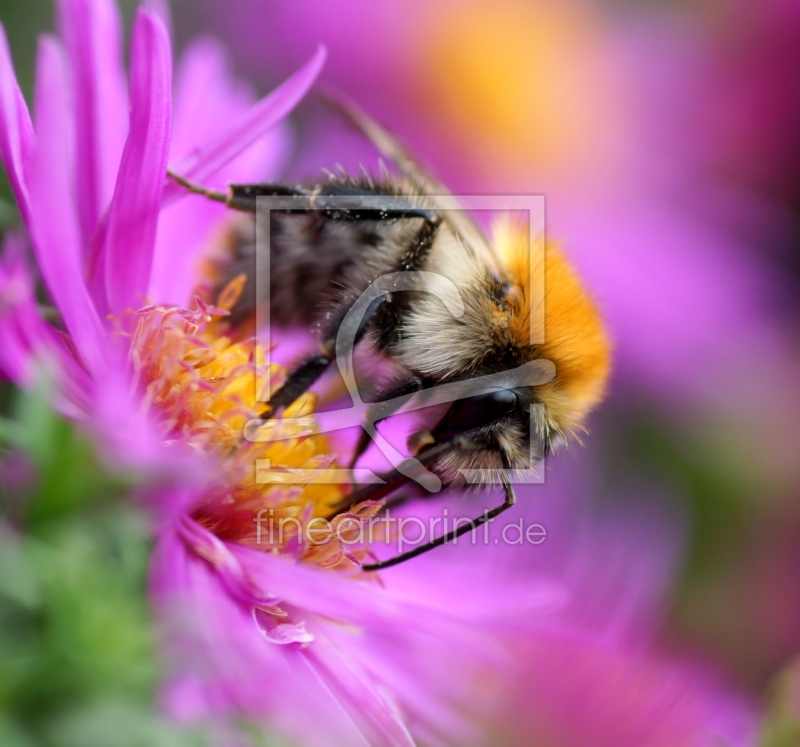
[369,706]
[280,633]
[162,10]
[132,436]
[186,228]
[218,661]
[20,343]
[203,88]
[334,596]
[253,124]
[133,217]
[27,342]
[203,83]
[17,139]
[54,222]
[92,34]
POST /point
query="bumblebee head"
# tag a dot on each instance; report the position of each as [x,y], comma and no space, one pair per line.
[509,424]
[574,338]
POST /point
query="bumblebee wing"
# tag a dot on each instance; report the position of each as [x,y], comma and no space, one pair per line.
[441,197]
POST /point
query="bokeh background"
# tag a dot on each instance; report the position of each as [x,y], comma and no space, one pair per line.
[664,136]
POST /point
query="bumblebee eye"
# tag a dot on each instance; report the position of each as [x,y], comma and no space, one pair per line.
[482,409]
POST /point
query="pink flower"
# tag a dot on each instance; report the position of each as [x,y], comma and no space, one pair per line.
[295,638]
[477,645]
[90,179]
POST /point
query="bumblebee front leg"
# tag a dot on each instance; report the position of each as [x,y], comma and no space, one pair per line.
[487,516]
[393,480]
[307,373]
[390,401]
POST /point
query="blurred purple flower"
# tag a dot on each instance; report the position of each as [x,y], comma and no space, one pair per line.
[314,655]
[645,700]
[752,113]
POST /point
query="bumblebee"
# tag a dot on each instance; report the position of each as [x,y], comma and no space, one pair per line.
[323,258]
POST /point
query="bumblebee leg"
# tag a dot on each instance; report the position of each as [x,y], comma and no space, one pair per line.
[380,410]
[396,500]
[510,500]
[391,481]
[298,381]
[335,202]
[304,376]
[197,189]
[242,197]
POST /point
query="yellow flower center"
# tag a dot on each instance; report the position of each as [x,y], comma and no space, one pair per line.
[205,384]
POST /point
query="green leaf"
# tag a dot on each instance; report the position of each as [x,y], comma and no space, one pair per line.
[12,735]
[80,666]
[68,474]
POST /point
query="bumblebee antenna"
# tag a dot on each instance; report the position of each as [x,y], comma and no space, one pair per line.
[197,189]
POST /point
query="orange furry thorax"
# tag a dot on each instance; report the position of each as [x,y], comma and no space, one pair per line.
[574,338]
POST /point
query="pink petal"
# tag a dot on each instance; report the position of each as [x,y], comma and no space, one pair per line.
[203,89]
[17,139]
[91,30]
[203,84]
[280,633]
[225,563]
[211,157]
[623,698]
[221,662]
[131,435]
[27,342]
[162,10]
[133,217]
[335,596]
[406,638]
[54,222]
[377,717]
